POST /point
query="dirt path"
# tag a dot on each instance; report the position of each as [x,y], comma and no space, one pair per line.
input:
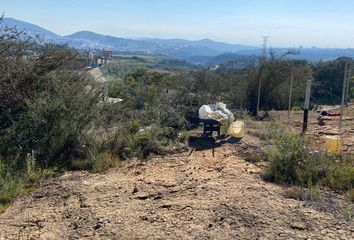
[175,197]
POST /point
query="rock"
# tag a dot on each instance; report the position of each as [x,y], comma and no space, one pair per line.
[97,226]
[135,190]
[298,225]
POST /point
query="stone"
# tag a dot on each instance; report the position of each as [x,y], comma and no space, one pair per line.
[298,225]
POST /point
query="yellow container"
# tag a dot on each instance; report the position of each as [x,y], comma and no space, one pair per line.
[237,129]
[334,145]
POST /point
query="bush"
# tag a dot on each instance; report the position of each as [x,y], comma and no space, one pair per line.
[285,158]
[47,107]
[10,188]
[104,162]
[16,182]
[340,175]
[275,130]
[297,108]
[184,137]
[45,104]
[294,160]
[145,143]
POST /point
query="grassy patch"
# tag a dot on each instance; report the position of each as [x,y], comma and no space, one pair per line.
[104,162]
[10,188]
[14,183]
[266,131]
[340,174]
[293,160]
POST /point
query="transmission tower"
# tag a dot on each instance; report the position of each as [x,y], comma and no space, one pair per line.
[265,42]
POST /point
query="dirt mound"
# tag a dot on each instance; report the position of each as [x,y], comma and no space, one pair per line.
[174,197]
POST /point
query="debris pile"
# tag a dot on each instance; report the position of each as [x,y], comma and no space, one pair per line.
[225,117]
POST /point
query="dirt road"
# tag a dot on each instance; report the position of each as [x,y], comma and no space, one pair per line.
[174,197]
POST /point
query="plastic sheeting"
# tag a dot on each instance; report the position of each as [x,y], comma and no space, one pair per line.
[218,112]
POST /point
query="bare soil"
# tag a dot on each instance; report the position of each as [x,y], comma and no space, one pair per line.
[331,126]
[172,197]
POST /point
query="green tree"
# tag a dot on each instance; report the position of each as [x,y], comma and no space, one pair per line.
[328,82]
[45,102]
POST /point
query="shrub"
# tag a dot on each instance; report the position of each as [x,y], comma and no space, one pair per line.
[340,175]
[285,158]
[294,160]
[10,187]
[135,127]
[171,118]
[297,108]
[103,162]
[184,137]
[45,105]
[15,182]
[80,164]
[275,129]
[146,143]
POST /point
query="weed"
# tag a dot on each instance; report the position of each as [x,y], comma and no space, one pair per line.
[297,108]
[340,174]
[66,194]
[348,213]
[104,162]
[80,164]
[10,188]
[270,132]
[350,195]
[285,159]
[294,160]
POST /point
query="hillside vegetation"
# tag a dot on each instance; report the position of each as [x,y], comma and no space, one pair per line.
[53,118]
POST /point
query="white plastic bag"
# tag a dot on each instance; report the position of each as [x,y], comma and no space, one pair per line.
[218,112]
[205,112]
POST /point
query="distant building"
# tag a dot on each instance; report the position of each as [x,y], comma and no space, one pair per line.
[107,54]
[89,58]
[89,55]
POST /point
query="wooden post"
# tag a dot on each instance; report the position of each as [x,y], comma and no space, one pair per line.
[259,93]
[307,105]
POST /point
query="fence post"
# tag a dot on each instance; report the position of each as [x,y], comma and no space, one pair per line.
[307,105]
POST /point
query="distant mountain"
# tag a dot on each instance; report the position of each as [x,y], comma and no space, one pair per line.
[31,29]
[172,47]
[86,39]
[188,50]
[204,43]
[310,54]
[204,51]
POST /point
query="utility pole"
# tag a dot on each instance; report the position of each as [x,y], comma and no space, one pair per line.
[263,58]
[290,91]
[345,79]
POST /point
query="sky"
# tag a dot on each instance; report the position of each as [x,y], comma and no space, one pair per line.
[289,23]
